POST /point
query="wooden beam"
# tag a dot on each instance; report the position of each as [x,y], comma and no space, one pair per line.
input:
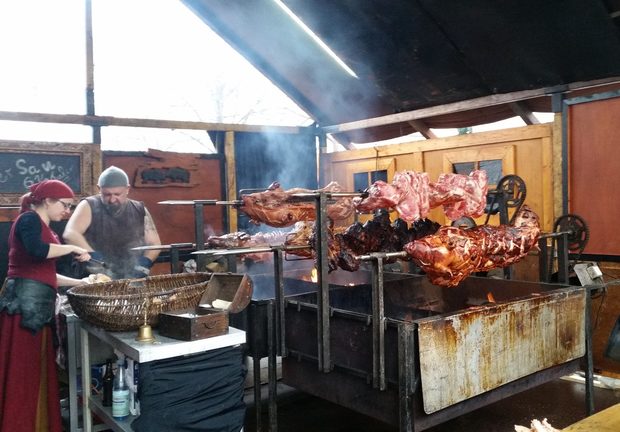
[421,127]
[93,120]
[460,106]
[522,111]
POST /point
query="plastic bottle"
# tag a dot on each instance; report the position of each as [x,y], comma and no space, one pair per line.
[120,393]
[108,383]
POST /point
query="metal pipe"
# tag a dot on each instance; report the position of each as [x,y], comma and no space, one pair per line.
[323,319]
[199,233]
[589,360]
[278,270]
[256,367]
[378,326]
[272,372]
[406,377]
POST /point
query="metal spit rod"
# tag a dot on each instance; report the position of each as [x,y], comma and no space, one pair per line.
[242,251]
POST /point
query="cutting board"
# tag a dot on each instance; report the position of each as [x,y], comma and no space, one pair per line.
[607,420]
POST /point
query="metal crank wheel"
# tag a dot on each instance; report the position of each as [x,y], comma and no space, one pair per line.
[513,188]
[578,232]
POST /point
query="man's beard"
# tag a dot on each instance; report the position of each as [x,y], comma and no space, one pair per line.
[114,209]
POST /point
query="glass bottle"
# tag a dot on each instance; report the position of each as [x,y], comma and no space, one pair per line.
[120,393]
[108,383]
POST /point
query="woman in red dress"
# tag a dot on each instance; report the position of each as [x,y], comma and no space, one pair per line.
[29,399]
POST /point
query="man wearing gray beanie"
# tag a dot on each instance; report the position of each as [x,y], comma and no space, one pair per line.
[109,225]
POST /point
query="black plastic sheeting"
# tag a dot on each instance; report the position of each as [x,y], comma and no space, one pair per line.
[202,392]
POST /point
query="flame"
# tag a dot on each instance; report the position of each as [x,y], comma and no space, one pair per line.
[314,275]
[490,298]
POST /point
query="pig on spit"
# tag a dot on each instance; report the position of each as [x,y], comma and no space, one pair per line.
[278,208]
[452,254]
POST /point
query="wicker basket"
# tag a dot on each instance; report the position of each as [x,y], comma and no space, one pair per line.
[121,305]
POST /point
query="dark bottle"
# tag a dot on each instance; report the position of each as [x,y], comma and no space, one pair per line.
[108,383]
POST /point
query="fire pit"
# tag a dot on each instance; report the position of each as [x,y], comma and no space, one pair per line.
[447,350]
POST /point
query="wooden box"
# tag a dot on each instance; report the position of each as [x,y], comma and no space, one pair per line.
[193,324]
[225,293]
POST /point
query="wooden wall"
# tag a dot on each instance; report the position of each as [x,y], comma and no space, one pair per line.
[525,151]
[175,224]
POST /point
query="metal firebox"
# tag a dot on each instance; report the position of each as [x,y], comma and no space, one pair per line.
[446,350]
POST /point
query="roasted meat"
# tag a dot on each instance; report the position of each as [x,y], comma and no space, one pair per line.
[297,236]
[412,195]
[376,235]
[279,208]
[452,254]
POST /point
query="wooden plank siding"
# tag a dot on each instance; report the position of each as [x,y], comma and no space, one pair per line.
[526,151]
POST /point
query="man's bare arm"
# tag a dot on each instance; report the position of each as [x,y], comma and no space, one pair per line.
[77,225]
[151,237]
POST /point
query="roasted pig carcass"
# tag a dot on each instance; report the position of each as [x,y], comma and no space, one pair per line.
[278,208]
[412,195]
[452,254]
[298,236]
[376,235]
[242,239]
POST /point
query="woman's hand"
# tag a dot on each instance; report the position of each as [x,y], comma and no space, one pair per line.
[81,254]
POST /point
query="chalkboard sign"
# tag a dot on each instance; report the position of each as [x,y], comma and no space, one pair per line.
[20,170]
[25,163]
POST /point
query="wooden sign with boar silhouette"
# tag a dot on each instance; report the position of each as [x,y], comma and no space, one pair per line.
[168,170]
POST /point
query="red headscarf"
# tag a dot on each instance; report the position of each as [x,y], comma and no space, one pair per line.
[45,189]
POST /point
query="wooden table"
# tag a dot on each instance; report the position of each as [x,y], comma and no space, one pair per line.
[607,420]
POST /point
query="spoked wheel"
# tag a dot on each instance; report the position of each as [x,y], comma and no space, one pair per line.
[513,188]
[578,232]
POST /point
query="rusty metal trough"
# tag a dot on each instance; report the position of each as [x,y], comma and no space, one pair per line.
[442,351]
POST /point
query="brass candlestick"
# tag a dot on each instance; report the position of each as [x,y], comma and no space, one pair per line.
[145,332]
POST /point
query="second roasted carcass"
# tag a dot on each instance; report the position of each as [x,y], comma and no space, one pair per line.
[452,254]
[297,236]
[279,208]
[412,195]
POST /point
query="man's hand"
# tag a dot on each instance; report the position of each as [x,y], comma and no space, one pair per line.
[142,268]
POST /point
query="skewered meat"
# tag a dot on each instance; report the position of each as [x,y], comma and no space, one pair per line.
[278,208]
[242,239]
[412,195]
[299,235]
[452,254]
[460,195]
[376,235]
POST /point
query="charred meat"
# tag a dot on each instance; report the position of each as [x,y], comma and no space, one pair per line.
[376,235]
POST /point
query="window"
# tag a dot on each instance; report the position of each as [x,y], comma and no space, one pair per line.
[364,179]
[492,167]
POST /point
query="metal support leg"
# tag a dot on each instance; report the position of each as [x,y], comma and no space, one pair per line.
[86,416]
[200,235]
[406,377]
[378,326]
[589,372]
[543,261]
[256,357]
[562,258]
[174,259]
[272,371]
[72,356]
[323,309]
[278,270]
